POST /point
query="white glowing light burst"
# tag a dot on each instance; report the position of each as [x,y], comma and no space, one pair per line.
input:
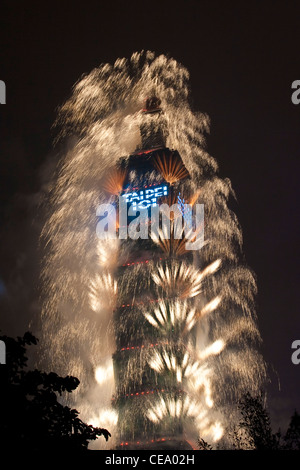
[107,418]
[103,290]
[214,431]
[199,378]
[182,279]
[171,314]
[108,252]
[160,361]
[211,268]
[214,349]
[104,373]
[174,407]
[210,306]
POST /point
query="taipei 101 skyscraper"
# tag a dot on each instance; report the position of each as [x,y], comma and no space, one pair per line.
[154,318]
[161,331]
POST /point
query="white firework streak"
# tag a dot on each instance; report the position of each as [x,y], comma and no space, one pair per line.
[175,407]
[185,279]
[187,366]
[167,315]
[103,291]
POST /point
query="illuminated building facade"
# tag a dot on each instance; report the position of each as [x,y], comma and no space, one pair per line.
[145,318]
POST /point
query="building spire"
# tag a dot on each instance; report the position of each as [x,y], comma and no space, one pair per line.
[153,128]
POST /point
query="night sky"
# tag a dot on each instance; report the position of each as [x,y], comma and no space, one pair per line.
[243,58]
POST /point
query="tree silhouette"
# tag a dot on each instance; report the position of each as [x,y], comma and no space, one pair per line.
[292,436]
[203,445]
[257,424]
[254,431]
[30,415]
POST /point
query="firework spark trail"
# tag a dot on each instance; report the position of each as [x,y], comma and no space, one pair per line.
[182,279]
[103,114]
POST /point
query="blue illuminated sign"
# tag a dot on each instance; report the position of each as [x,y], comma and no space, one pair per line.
[145,198]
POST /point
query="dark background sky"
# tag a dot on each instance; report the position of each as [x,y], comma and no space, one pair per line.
[242,58]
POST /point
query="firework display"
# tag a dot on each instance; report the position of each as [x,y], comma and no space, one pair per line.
[162,338]
[152,322]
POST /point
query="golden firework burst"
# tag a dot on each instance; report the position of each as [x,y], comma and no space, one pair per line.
[171,167]
[114,181]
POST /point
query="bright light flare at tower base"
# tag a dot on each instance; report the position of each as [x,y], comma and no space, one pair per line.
[214,432]
[106,418]
[104,373]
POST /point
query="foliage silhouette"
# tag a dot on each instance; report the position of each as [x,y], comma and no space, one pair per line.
[203,445]
[256,425]
[254,431]
[292,436]
[31,417]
